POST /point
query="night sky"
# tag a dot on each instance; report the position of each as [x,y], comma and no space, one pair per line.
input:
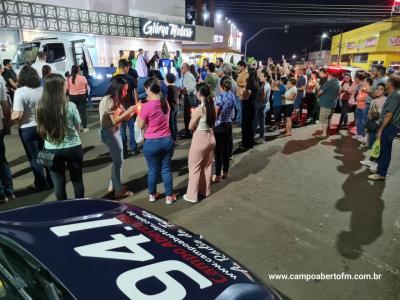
[305,30]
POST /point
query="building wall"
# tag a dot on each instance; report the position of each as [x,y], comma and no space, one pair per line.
[377,40]
[162,10]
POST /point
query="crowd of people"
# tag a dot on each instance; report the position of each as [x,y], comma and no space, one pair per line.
[50,112]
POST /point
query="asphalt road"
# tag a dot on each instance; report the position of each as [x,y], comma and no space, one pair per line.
[292,206]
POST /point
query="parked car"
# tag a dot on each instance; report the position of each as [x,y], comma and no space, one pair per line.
[98,249]
[342,70]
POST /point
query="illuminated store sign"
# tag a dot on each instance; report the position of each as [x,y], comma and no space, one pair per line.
[169,31]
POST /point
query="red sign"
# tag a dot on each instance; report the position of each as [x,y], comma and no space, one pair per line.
[394,41]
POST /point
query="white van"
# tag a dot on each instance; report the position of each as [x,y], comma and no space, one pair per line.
[61,54]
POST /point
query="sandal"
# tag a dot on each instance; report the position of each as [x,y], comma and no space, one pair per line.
[170,199]
[123,194]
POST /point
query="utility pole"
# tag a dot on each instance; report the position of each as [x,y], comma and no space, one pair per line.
[286,28]
[340,48]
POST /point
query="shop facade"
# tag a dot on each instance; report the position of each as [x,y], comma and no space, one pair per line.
[105,32]
[226,44]
[368,46]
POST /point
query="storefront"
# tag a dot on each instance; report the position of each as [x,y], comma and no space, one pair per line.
[226,45]
[365,47]
[105,33]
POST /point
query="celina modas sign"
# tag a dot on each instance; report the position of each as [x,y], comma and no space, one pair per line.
[169,31]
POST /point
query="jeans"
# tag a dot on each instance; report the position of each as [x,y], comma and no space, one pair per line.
[223,136]
[259,120]
[158,154]
[173,123]
[238,118]
[388,134]
[371,139]
[32,145]
[73,158]
[344,112]
[80,102]
[112,138]
[6,184]
[277,114]
[361,115]
[132,142]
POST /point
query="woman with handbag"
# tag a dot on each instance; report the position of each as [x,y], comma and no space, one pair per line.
[112,113]
[58,123]
[345,95]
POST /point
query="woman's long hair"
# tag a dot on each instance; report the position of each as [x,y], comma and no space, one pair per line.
[132,55]
[252,82]
[115,90]
[155,87]
[51,110]
[74,72]
[204,90]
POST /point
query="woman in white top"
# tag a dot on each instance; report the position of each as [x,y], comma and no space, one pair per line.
[202,147]
[27,95]
[288,104]
[6,184]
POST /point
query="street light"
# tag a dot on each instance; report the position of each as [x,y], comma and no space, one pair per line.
[219,16]
[324,36]
[294,56]
[286,28]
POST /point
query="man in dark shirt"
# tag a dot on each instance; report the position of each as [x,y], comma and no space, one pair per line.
[301,87]
[10,78]
[130,99]
[390,127]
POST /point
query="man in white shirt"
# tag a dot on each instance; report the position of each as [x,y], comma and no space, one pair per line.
[40,62]
[190,101]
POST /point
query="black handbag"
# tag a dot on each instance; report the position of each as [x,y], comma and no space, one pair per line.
[46,158]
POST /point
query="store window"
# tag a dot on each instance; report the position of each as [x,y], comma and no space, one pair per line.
[55,52]
[361,58]
[346,58]
[334,59]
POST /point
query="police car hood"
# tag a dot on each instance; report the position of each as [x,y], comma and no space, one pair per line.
[102,249]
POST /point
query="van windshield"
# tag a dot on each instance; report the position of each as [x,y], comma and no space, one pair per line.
[27,52]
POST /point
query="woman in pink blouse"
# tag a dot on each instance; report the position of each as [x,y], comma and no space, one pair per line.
[158,147]
[76,86]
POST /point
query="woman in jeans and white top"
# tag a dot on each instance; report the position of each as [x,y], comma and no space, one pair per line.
[158,147]
[58,123]
[202,146]
[27,95]
[6,183]
[112,113]
[77,89]
[288,104]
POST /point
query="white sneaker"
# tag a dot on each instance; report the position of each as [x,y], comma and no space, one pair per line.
[85,130]
[374,168]
[154,197]
[186,198]
[367,163]
[170,199]
[355,137]
[360,139]
[317,122]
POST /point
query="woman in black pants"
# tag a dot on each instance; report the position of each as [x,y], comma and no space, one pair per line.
[224,104]
[77,89]
[249,111]
[58,123]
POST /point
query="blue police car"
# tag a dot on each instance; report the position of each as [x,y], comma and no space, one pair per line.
[99,249]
